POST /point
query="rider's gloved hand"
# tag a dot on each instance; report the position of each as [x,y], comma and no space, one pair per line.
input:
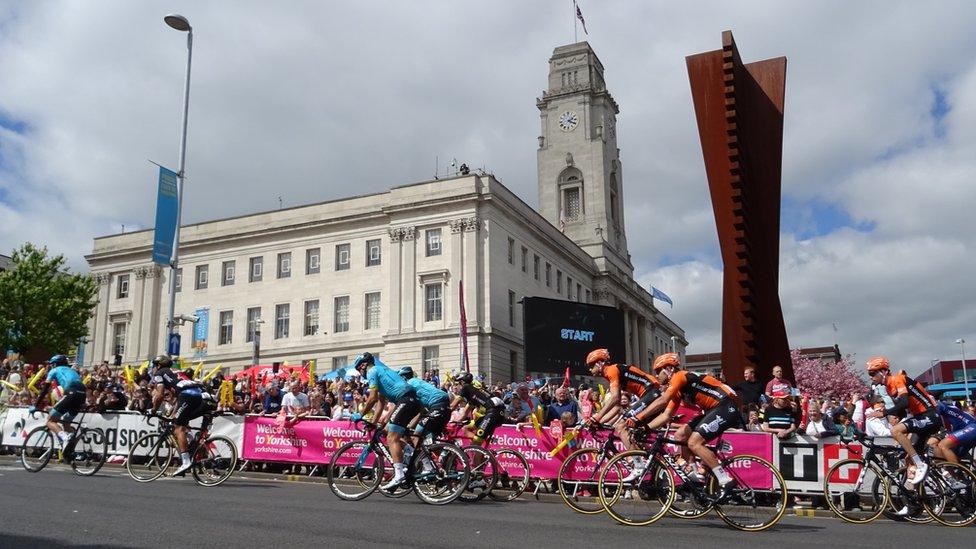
[356,416]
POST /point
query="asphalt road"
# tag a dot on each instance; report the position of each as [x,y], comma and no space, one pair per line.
[55,508]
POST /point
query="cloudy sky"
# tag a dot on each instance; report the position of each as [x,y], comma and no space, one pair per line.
[309,100]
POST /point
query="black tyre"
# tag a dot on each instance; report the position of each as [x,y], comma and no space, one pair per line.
[149,457]
[90,452]
[37,449]
[355,471]
[214,461]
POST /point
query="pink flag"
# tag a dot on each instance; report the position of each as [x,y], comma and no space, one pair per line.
[464,329]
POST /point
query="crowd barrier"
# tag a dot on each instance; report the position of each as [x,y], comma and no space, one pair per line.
[802,460]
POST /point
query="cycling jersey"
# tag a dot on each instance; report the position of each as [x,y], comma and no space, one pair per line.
[919,400]
[480,398]
[633,379]
[387,382]
[429,395]
[170,380]
[953,418]
[67,378]
[704,391]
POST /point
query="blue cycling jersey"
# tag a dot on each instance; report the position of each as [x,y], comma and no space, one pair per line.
[954,418]
[387,382]
[429,395]
[67,378]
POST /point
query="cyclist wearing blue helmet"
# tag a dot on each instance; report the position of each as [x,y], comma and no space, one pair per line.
[73,400]
[435,401]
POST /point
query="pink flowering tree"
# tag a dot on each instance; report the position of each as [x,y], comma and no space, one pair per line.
[820,379]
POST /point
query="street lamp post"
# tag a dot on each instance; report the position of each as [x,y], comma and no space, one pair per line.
[256,358]
[965,378]
[181,24]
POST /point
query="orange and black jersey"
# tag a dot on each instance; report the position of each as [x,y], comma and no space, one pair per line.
[704,391]
[919,400]
[631,379]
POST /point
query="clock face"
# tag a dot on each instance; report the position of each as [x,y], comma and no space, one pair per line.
[568,121]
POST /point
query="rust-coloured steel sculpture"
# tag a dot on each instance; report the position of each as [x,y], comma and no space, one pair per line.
[740,122]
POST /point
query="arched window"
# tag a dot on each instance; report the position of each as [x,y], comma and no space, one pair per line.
[571,194]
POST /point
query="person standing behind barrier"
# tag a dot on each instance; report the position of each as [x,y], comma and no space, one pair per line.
[296,404]
[750,389]
[272,399]
[779,418]
[778,384]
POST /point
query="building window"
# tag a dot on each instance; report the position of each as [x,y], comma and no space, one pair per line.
[282,320]
[525,259]
[513,365]
[226,327]
[284,265]
[179,279]
[559,281]
[430,358]
[569,288]
[372,311]
[256,269]
[311,317]
[313,261]
[433,237]
[579,292]
[253,326]
[511,308]
[342,257]
[339,362]
[434,309]
[119,330]
[548,275]
[511,251]
[571,192]
[123,290]
[203,275]
[227,273]
[341,314]
[587,296]
[374,253]
[571,202]
[535,267]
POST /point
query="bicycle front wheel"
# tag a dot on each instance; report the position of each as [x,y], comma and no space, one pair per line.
[90,452]
[355,471]
[37,449]
[214,461]
[513,475]
[578,478]
[447,475]
[849,491]
[149,457]
[759,499]
[636,489]
[948,494]
[483,475]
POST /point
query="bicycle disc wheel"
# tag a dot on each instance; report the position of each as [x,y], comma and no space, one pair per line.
[447,477]
[37,449]
[214,461]
[355,471]
[513,475]
[578,479]
[634,489]
[949,497]
[90,452]
[483,466]
[759,499]
[849,491]
[149,457]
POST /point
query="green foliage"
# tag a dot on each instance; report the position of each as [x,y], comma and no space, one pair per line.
[43,307]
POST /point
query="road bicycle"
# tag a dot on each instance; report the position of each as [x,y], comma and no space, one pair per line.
[757,502]
[437,472]
[85,450]
[214,457]
[578,477]
[860,489]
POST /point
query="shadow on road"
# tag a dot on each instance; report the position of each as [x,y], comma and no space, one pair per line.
[13,540]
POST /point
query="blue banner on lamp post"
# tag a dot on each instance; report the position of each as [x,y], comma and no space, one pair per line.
[167,206]
[200,330]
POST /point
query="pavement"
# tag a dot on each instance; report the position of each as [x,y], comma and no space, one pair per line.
[55,508]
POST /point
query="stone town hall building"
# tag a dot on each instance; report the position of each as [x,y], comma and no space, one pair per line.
[381,272]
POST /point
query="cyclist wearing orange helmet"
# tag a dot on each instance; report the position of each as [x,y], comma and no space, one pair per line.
[909,396]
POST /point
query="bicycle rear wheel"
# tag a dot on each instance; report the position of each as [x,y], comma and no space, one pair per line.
[949,496]
[578,480]
[483,467]
[37,449]
[850,493]
[361,471]
[149,457]
[214,461]
[513,475]
[90,452]
[759,499]
[636,489]
[447,478]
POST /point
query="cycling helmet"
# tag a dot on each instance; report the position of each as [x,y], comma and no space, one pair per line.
[406,372]
[665,360]
[596,356]
[465,378]
[162,361]
[58,360]
[876,364]
[365,358]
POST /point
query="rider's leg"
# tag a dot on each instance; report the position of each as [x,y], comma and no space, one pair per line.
[946,449]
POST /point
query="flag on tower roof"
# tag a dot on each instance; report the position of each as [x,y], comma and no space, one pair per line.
[579,15]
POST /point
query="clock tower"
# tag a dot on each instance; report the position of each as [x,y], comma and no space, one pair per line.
[580,175]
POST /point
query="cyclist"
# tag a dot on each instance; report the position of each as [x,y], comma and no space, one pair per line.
[385,385]
[720,412]
[192,401]
[493,408]
[59,421]
[960,433]
[438,412]
[907,395]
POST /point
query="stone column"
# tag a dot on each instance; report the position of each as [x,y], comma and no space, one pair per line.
[394,300]
[457,272]
[473,277]
[642,342]
[137,325]
[149,333]
[409,279]
[100,330]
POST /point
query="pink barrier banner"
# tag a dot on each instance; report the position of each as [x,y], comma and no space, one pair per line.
[314,441]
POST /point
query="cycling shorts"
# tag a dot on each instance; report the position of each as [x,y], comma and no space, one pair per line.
[964,437]
[70,404]
[486,425]
[405,409]
[191,405]
[649,396]
[434,421]
[923,425]
[711,424]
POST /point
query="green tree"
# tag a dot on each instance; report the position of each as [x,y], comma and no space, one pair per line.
[43,307]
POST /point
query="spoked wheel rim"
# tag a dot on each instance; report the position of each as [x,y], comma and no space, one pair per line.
[482,465]
[513,475]
[355,471]
[759,500]
[149,458]
[447,478]
[858,503]
[949,498]
[635,489]
[578,481]
[214,461]
[90,452]
[37,449]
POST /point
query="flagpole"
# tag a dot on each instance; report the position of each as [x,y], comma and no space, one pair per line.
[575,24]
